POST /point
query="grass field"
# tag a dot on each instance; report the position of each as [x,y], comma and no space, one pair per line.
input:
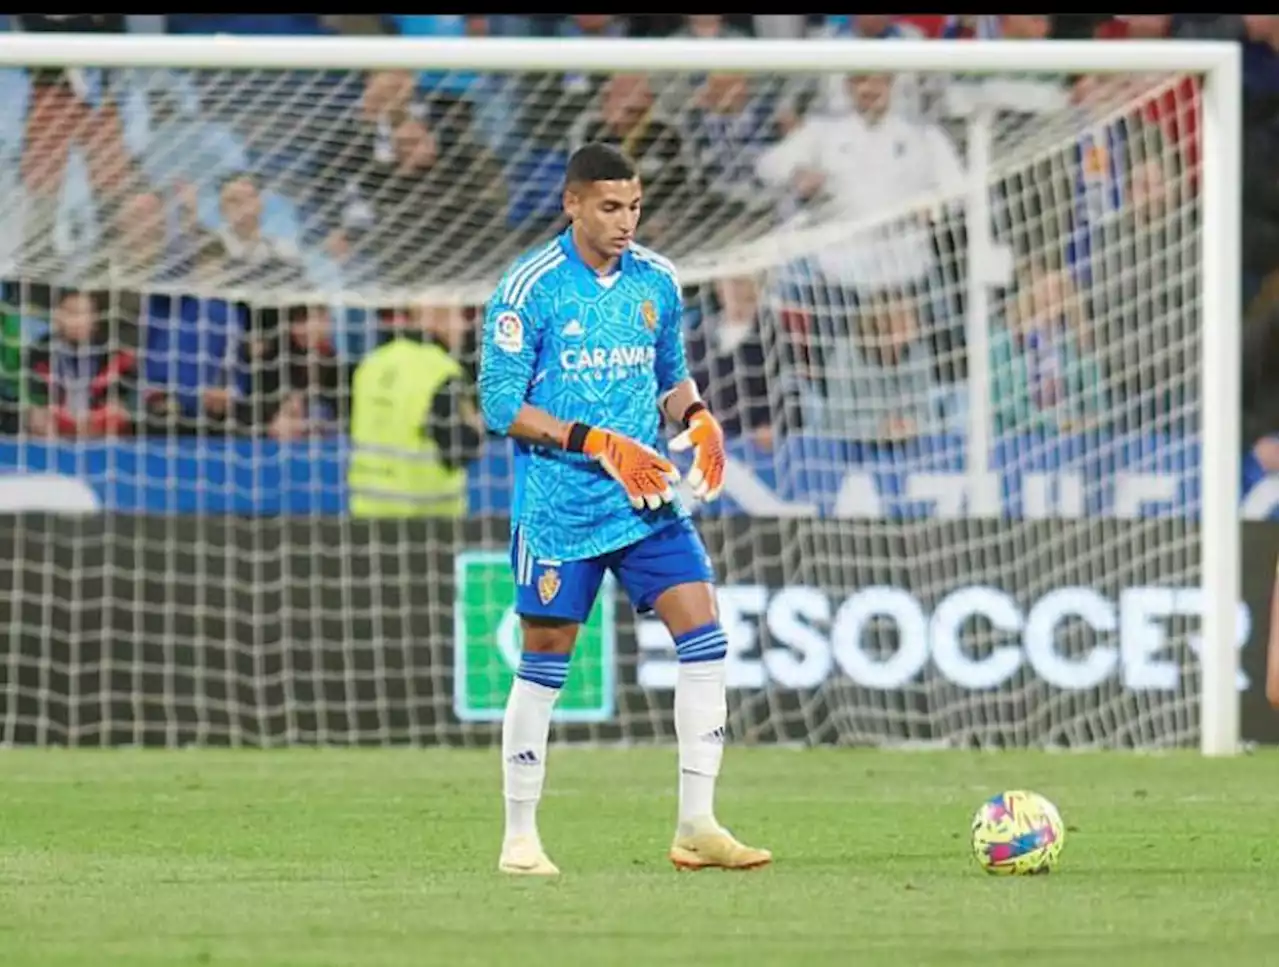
[381,858]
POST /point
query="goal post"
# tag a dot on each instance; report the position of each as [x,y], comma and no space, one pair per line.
[998,173]
[1220,708]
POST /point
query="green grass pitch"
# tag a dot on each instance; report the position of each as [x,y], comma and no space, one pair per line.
[360,858]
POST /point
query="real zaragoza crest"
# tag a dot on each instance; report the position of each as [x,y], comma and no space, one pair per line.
[650,314]
[548,585]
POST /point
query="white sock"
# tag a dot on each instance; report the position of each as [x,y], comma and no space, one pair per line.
[700,719]
[525,727]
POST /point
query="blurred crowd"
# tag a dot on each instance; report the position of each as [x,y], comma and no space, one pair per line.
[174,244]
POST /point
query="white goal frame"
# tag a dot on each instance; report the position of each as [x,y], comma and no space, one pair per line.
[1217,63]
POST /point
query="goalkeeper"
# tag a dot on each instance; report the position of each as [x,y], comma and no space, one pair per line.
[581,351]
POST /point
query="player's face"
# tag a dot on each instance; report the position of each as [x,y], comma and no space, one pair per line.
[605,214]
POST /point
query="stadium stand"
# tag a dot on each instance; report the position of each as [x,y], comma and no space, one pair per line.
[166,186]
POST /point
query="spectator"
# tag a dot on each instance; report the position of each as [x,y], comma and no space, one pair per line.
[627,119]
[1257,33]
[964,27]
[677,91]
[356,24]
[1261,210]
[1143,26]
[298,387]
[59,113]
[1173,107]
[13,338]
[879,374]
[180,150]
[73,149]
[269,24]
[912,94]
[1096,167]
[435,208]
[1120,125]
[136,251]
[191,345]
[1043,374]
[452,329]
[710,26]
[459,106]
[728,130]
[134,254]
[549,108]
[1262,38]
[485,107]
[113,171]
[1260,387]
[1026,26]
[246,255]
[1143,267]
[739,361]
[360,141]
[862,166]
[596,26]
[415,424]
[460,100]
[362,138]
[79,384]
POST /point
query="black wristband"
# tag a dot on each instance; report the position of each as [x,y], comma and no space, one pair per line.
[695,407]
[577,438]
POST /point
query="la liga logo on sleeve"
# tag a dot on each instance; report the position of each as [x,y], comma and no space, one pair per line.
[508,332]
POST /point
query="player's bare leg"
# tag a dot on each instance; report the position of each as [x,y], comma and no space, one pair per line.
[544,663]
[689,612]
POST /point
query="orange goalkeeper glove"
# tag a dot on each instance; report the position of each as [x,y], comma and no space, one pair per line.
[704,435]
[645,474]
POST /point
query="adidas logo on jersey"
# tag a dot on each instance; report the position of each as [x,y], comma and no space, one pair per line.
[572,328]
[526,758]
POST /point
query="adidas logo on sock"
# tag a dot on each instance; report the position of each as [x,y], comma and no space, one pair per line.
[526,758]
[715,736]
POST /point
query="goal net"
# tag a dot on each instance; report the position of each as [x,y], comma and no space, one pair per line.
[950,322]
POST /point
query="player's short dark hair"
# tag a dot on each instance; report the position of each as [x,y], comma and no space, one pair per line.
[598,162]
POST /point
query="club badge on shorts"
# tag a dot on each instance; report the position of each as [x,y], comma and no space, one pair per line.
[548,585]
[650,314]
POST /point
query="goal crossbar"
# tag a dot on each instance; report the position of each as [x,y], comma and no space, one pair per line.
[511,54]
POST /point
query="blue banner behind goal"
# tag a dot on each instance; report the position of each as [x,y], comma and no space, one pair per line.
[1129,477]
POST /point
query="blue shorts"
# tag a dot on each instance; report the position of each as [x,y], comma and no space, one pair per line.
[567,589]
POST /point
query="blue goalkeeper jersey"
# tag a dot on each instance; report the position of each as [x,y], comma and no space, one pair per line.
[599,350]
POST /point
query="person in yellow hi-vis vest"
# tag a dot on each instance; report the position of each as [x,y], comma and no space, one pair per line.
[414,422]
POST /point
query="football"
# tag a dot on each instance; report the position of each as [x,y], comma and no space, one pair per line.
[1017,833]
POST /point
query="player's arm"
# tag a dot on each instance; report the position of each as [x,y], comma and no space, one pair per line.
[681,403]
[508,355]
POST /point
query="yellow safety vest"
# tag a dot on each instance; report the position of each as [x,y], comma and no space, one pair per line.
[395,469]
